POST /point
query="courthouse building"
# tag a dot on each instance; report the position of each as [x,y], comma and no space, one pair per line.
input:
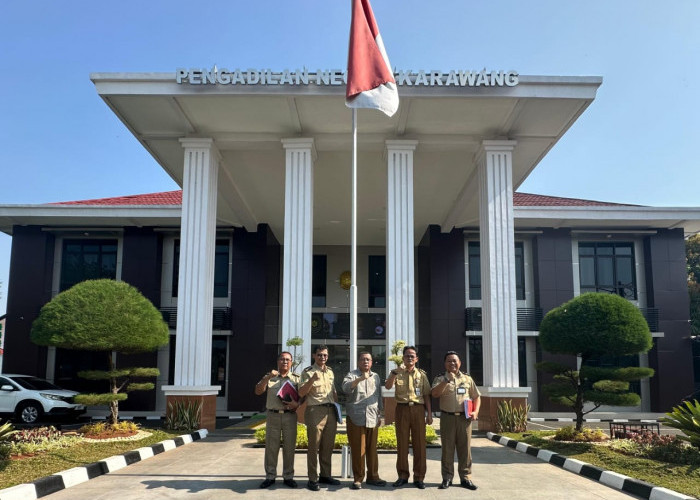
[255,249]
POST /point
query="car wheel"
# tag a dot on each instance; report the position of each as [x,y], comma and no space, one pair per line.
[29,412]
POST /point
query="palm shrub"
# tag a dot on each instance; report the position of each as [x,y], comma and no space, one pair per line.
[687,420]
[511,418]
[6,430]
[183,416]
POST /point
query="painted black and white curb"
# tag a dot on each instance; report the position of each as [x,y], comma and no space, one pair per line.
[596,420]
[71,477]
[612,479]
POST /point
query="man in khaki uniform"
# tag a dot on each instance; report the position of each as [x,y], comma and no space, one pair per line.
[413,413]
[281,421]
[453,388]
[321,423]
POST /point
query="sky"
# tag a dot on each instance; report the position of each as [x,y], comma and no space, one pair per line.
[636,143]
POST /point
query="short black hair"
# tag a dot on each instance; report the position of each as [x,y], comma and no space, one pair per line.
[450,353]
[410,347]
[321,347]
[285,352]
[361,353]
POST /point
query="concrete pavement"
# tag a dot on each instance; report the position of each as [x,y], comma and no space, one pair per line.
[226,465]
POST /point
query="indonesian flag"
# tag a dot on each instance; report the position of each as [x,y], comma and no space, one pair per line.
[371,82]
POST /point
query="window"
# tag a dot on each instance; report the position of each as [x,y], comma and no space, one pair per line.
[474,262]
[220,268]
[377,281]
[476,360]
[607,267]
[318,281]
[85,259]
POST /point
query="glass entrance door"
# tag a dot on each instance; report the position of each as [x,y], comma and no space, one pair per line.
[339,361]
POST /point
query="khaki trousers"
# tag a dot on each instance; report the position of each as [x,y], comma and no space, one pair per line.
[321,425]
[363,447]
[410,422]
[281,429]
[456,433]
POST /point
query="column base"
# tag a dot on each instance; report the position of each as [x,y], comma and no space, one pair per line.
[204,396]
[490,397]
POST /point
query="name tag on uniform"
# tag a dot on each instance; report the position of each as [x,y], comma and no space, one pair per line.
[461,390]
[417,391]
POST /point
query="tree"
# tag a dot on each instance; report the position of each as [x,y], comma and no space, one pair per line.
[590,326]
[104,316]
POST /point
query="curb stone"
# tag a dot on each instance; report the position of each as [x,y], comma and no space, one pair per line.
[67,478]
[613,479]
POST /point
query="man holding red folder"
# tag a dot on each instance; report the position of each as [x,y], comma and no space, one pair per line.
[281,386]
[457,391]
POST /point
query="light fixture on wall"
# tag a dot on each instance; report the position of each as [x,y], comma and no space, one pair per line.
[345,280]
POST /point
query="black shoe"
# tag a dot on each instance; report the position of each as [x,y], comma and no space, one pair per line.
[328,480]
[267,483]
[312,485]
[467,483]
[376,482]
[400,482]
[419,484]
[291,483]
[445,484]
[356,486]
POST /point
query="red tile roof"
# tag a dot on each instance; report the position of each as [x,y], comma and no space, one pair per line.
[538,200]
[165,198]
[175,198]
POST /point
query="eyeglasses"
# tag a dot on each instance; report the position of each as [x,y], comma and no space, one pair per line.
[322,355]
[410,356]
[286,360]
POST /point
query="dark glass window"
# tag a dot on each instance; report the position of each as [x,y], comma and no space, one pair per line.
[474,261]
[377,281]
[220,268]
[318,281]
[85,259]
[476,360]
[607,267]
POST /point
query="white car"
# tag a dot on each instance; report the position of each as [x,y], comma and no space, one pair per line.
[29,398]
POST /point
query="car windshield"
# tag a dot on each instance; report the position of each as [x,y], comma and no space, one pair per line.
[35,384]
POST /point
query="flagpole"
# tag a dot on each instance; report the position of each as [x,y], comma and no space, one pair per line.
[353,251]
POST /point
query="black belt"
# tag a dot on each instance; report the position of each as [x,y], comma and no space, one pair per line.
[327,405]
[281,411]
[452,413]
[410,404]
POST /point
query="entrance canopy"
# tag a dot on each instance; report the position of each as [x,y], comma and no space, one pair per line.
[248,122]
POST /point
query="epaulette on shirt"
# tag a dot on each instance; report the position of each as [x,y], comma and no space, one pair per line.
[308,368]
[423,372]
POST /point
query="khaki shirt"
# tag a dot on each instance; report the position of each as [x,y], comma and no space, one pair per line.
[274,385]
[411,387]
[461,388]
[323,390]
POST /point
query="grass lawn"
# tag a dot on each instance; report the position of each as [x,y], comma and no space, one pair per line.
[681,478]
[13,472]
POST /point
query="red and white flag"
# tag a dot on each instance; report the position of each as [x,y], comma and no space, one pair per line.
[371,82]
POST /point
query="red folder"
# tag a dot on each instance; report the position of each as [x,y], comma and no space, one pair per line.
[468,407]
[287,392]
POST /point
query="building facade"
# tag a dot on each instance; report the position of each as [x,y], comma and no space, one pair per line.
[255,248]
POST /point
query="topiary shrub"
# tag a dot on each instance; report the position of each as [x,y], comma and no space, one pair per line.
[585,435]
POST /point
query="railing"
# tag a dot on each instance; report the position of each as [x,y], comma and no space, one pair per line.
[529,318]
[651,314]
[221,317]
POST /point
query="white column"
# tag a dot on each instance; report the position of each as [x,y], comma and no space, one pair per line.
[400,281]
[498,299]
[196,276]
[298,242]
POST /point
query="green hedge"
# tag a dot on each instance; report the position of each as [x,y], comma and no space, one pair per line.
[386,439]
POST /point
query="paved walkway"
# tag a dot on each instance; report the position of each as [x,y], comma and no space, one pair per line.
[225,465]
